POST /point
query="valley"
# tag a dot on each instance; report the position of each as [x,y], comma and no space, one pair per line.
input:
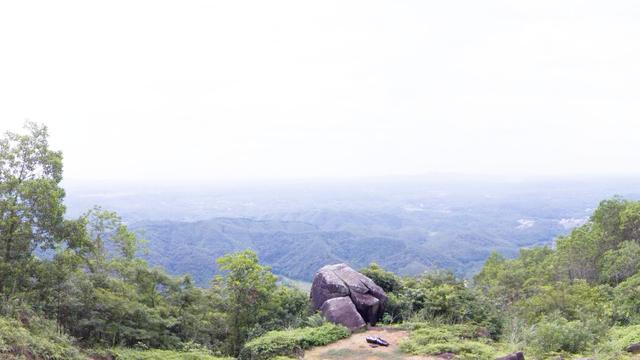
[407,225]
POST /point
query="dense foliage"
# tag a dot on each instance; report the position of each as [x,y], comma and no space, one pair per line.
[576,298]
[565,300]
[435,297]
[83,279]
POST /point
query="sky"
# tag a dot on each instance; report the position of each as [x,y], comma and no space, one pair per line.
[250,90]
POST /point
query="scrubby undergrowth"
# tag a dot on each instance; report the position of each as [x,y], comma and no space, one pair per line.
[39,339]
[466,341]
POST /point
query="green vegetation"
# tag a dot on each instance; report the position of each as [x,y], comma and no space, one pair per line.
[579,298]
[291,342]
[38,339]
[78,289]
[436,297]
[464,340]
[133,354]
[571,299]
[67,284]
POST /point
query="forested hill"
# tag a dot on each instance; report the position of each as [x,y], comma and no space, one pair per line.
[296,249]
[408,225]
[292,249]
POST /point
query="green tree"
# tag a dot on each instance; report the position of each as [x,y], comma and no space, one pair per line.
[626,301]
[619,264]
[630,221]
[578,253]
[247,288]
[31,209]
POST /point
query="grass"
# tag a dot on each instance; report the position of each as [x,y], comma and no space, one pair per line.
[291,342]
[41,340]
[155,354]
[461,340]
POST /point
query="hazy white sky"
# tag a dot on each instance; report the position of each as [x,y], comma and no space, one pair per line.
[294,89]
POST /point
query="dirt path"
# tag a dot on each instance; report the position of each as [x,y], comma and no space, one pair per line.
[355,347]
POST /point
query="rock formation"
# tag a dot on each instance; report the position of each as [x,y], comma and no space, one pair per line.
[347,297]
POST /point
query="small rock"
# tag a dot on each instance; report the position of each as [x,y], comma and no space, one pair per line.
[634,348]
[446,356]
[515,356]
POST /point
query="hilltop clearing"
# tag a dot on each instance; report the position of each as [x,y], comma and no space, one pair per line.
[355,347]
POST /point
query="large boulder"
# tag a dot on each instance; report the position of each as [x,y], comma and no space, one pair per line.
[342,282]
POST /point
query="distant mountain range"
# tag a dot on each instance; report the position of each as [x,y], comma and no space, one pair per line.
[407,225]
[406,245]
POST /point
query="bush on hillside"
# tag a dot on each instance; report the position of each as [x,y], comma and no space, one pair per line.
[388,281]
[613,345]
[291,342]
[556,334]
[39,340]
[440,297]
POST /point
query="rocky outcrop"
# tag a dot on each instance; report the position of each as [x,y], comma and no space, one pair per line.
[345,289]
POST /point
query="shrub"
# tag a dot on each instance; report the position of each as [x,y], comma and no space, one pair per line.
[315,320]
[557,334]
[616,341]
[291,342]
[387,280]
[40,340]
[132,354]
[441,297]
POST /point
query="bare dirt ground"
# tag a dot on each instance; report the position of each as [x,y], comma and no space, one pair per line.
[356,347]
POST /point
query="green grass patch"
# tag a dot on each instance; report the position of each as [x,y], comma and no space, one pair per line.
[291,342]
[155,354]
[462,340]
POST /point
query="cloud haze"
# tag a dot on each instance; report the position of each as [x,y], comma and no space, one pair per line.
[295,89]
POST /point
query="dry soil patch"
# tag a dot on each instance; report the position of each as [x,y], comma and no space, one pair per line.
[356,347]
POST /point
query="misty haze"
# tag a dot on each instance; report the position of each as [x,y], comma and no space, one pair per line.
[358,180]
